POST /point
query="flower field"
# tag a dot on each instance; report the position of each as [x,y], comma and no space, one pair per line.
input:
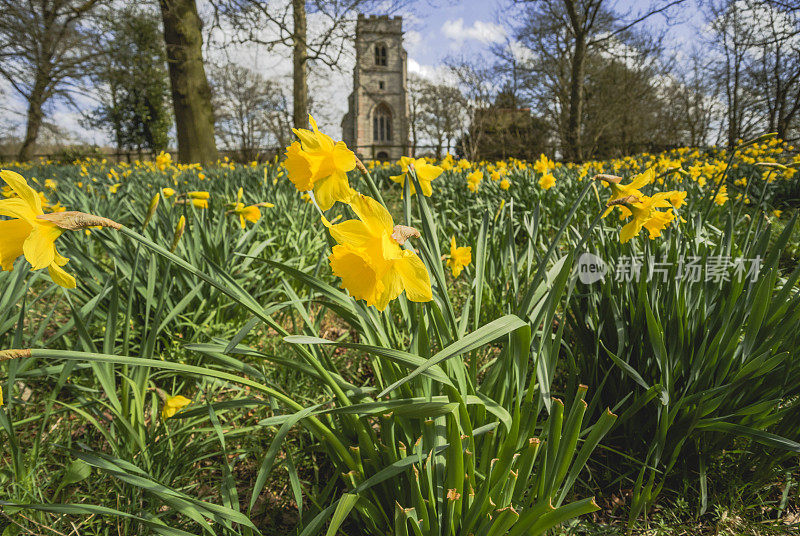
[412,348]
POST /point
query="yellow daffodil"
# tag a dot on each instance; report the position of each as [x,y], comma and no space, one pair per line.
[645,214]
[722,195]
[676,197]
[425,172]
[172,405]
[459,257]
[198,195]
[543,165]
[163,161]
[504,184]
[474,180]
[200,203]
[777,213]
[369,260]
[317,163]
[547,181]
[447,163]
[167,192]
[28,234]
[250,213]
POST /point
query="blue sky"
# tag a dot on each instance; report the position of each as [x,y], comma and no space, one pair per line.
[438,28]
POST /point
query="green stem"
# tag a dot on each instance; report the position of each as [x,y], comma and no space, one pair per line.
[323,432]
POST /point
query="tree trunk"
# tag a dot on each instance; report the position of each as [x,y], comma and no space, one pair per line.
[35,118]
[300,60]
[733,112]
[191,94]
[575,114]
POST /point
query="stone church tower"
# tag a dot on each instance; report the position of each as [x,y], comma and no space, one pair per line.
[376,124]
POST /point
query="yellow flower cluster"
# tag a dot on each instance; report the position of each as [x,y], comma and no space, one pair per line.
[368,257]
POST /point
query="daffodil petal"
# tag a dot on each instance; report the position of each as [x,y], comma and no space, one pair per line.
[39,247]
[20,187]
[60,260]
[60,277]
[18,208]
[630,230]
[331,189]
[372,213]
[351,233]
[415,277]
[14,233]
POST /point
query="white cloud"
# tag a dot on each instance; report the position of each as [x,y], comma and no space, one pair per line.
[412,40]
[484,32]
[521,52]
[434,73]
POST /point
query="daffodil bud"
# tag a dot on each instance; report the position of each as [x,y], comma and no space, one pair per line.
[771,165]
[611,179]
[151,210]
[7,355]
[74,221]
[178,233]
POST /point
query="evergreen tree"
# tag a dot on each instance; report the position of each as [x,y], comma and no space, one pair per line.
[132,71]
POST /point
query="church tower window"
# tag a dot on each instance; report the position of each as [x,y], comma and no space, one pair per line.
[382,123]
[380,55]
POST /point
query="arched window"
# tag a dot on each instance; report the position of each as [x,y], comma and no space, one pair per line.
[380,54]
[383,156]
[382,123]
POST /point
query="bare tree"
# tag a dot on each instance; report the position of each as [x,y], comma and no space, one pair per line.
[252,112]
[285,24]
[437,114]
[732,38]
[477,86]
[689,104]
[776,69]
[414,87]
[575,28]
[42,54]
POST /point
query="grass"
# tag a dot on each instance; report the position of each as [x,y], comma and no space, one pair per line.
[515,335]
